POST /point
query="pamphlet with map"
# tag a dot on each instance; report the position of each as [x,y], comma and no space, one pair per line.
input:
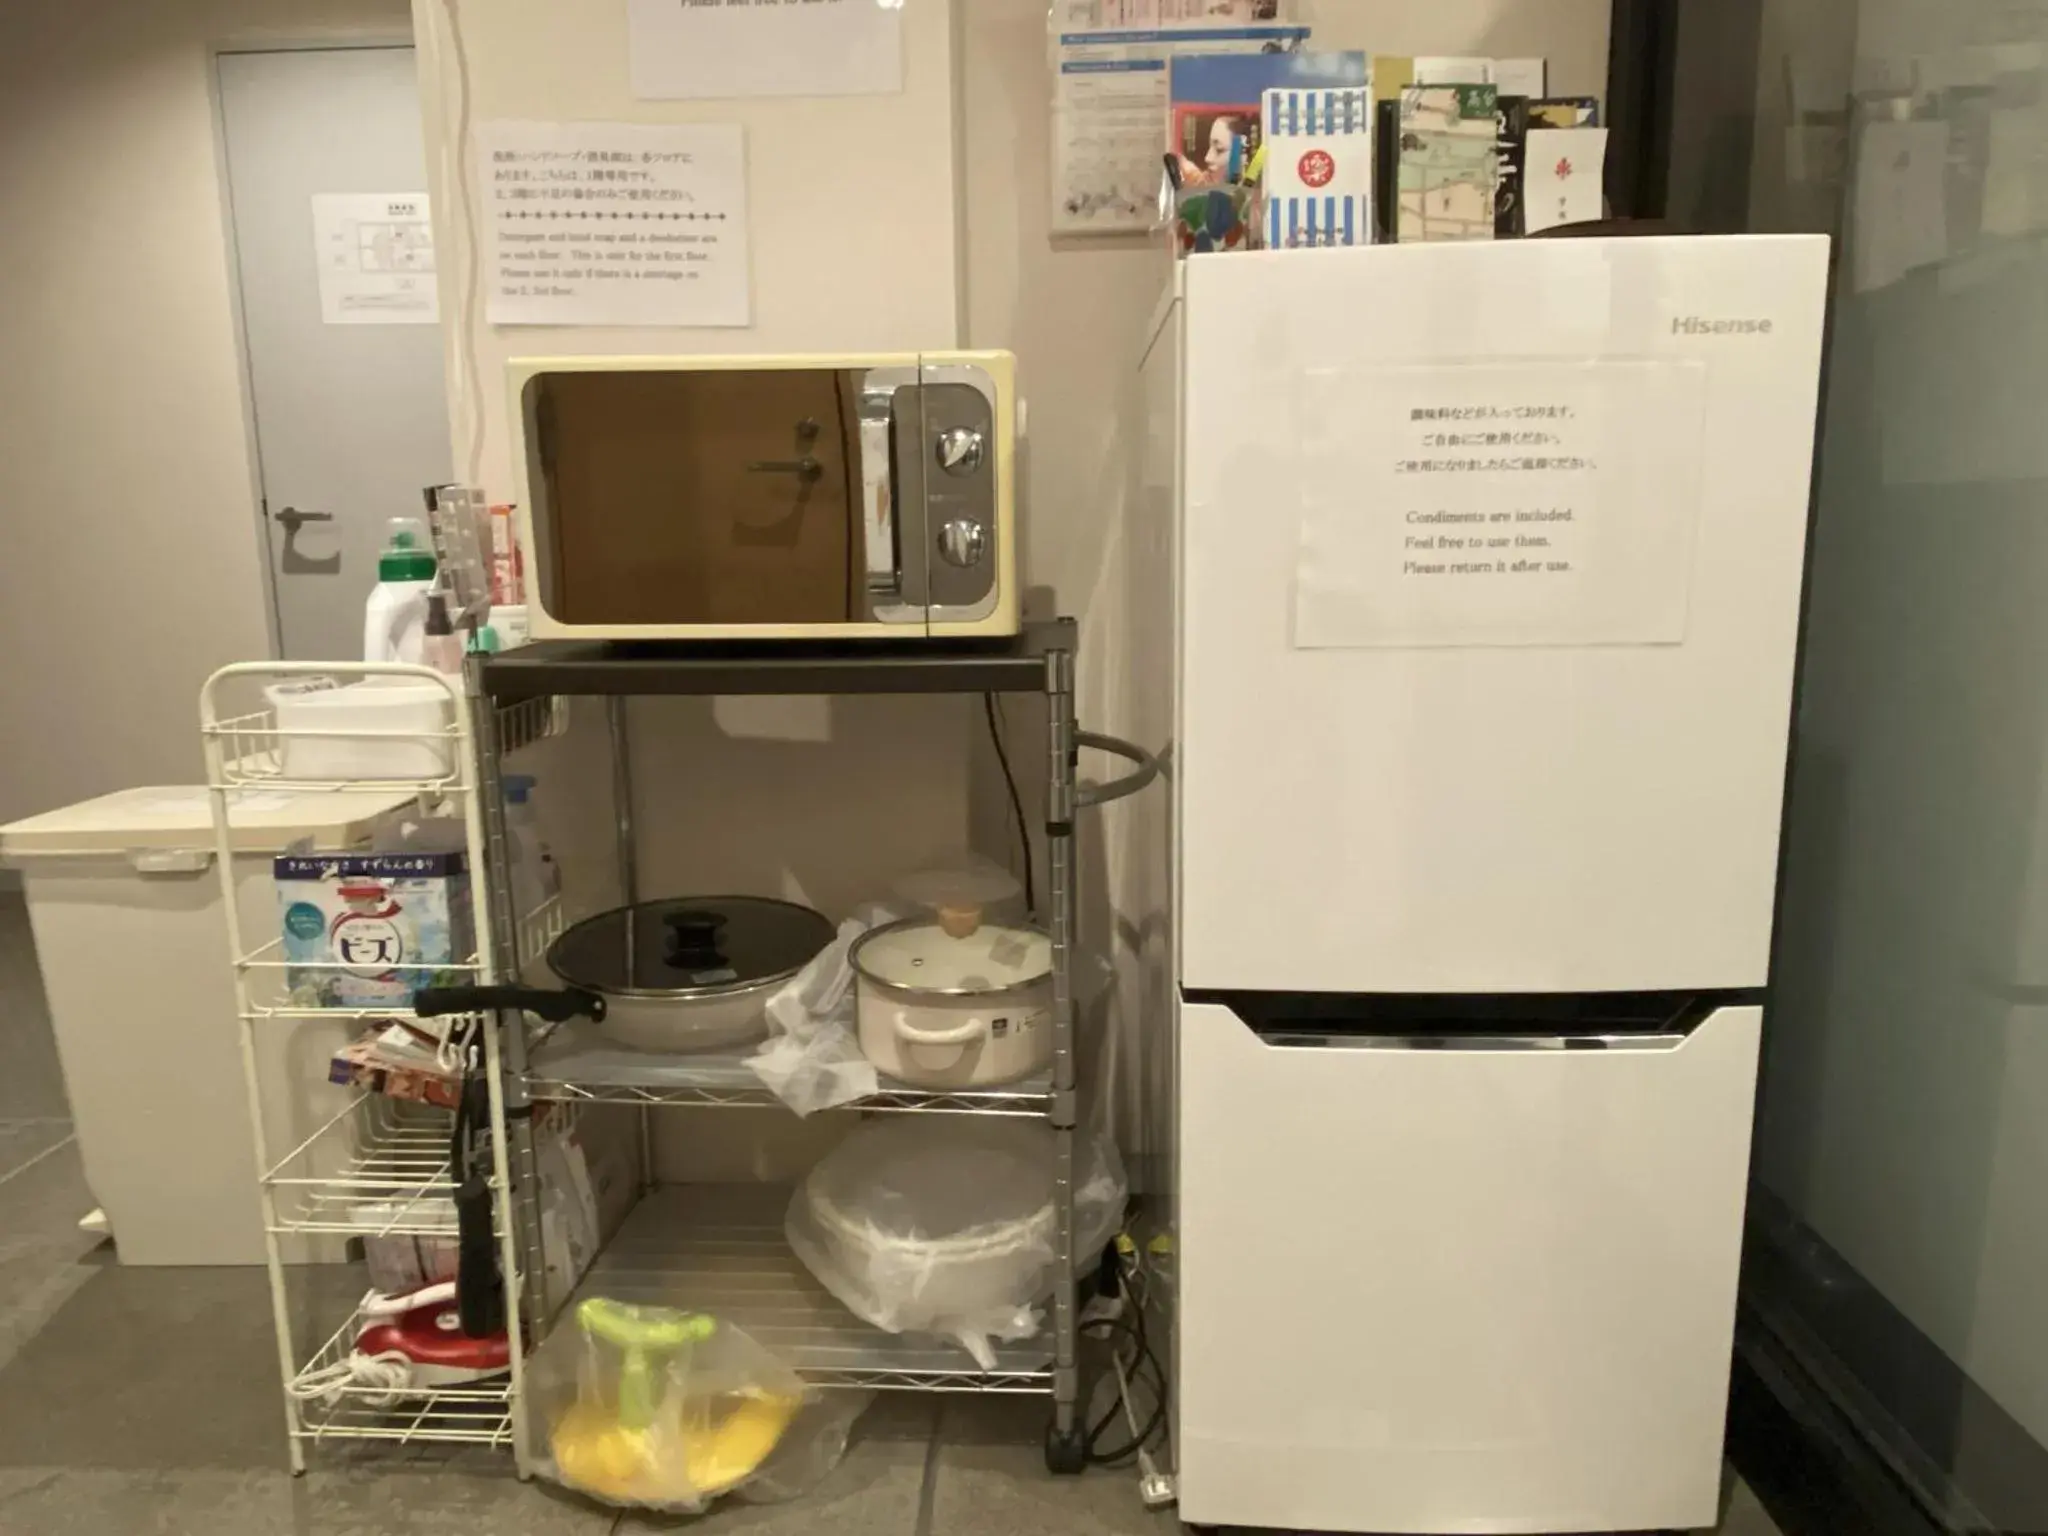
[1449,165]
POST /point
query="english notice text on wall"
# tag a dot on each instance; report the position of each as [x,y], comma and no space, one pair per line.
[1498,503]
[614,223]
[375,252]
[699,48]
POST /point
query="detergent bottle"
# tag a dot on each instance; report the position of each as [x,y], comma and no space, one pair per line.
[395,618]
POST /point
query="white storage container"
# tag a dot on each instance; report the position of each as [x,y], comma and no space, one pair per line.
[379,728]
[126,910]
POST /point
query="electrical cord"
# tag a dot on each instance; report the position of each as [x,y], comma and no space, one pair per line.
[1130,1323]
[1142,1356]
[461,173]
[995,736]
[380,1380]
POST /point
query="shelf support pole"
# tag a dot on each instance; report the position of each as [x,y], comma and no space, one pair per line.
[1059,842]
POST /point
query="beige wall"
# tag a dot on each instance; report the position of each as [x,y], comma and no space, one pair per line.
[844,256]
[129,563]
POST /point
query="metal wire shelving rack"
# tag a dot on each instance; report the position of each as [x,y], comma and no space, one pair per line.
[723,1246]
[373,1167]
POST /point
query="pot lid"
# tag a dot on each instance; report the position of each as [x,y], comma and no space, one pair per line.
[690,946]
[917,955]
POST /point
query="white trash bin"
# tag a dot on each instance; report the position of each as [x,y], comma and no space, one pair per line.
[126,909]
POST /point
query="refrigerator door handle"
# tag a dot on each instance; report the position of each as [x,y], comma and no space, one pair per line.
[1596,1042]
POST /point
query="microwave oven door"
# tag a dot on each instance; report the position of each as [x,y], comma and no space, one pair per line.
[757,498]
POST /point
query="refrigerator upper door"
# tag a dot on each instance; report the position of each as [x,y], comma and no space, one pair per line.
[1490,568]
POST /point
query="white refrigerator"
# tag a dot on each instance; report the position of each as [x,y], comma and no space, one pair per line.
[1487,566]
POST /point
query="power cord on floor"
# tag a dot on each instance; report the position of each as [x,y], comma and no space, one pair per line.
[1127,1372]
[1122,1280]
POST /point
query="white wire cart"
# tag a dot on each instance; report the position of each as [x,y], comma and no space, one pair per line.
[372,1166]
[723,1246]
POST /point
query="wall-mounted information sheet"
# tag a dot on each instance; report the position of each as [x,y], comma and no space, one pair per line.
[376,258]
[1499,503]
[614,223]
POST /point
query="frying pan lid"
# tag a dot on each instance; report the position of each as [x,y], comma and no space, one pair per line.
[690,946]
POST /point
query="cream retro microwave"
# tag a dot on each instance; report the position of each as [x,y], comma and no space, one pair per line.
[679,498]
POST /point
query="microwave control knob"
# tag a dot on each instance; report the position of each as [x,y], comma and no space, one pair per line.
[960,450]
[962,542]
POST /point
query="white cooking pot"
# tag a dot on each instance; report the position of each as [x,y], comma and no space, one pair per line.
[950,1002]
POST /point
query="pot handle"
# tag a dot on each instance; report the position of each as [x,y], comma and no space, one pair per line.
[959,1034]
[555,1007]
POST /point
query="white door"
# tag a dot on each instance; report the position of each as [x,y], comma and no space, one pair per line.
[350,411]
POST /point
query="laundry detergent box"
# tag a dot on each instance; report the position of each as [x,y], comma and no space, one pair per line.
[367,930]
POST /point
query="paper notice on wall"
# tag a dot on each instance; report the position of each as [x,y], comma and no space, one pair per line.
[1110,100]
[614,223]
[1499,504]
[698,48]
[1900,202]
[375,254]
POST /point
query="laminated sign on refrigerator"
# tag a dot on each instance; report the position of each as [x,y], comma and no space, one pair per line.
[1499,503]
[614,223]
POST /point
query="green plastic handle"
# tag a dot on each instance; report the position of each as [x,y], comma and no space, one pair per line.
[638,1333]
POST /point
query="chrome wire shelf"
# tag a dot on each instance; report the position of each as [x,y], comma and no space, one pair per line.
[480,1414]
[576,1064]
[720,1249]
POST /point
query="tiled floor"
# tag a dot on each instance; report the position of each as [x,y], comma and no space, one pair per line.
[145,1400]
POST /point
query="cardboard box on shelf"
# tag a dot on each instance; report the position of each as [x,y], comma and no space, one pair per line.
[367,930]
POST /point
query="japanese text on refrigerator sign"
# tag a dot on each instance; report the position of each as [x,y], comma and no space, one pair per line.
[1524,503]
[1493,438]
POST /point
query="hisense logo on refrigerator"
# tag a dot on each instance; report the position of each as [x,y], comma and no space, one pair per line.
[1699,325]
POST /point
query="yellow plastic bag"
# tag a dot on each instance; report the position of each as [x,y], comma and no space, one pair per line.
[661,1408]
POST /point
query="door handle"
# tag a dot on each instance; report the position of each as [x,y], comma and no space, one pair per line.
[806,469]
[290,561]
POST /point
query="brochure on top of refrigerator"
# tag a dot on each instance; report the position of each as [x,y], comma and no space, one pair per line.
[1110,61]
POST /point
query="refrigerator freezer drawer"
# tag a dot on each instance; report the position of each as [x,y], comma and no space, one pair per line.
[1472,1290]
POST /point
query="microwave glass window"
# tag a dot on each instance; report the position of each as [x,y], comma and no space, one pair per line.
[727,496]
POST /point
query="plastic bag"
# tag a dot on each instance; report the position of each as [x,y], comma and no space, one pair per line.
[812,1058]
[945,1224]
[663,1409]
